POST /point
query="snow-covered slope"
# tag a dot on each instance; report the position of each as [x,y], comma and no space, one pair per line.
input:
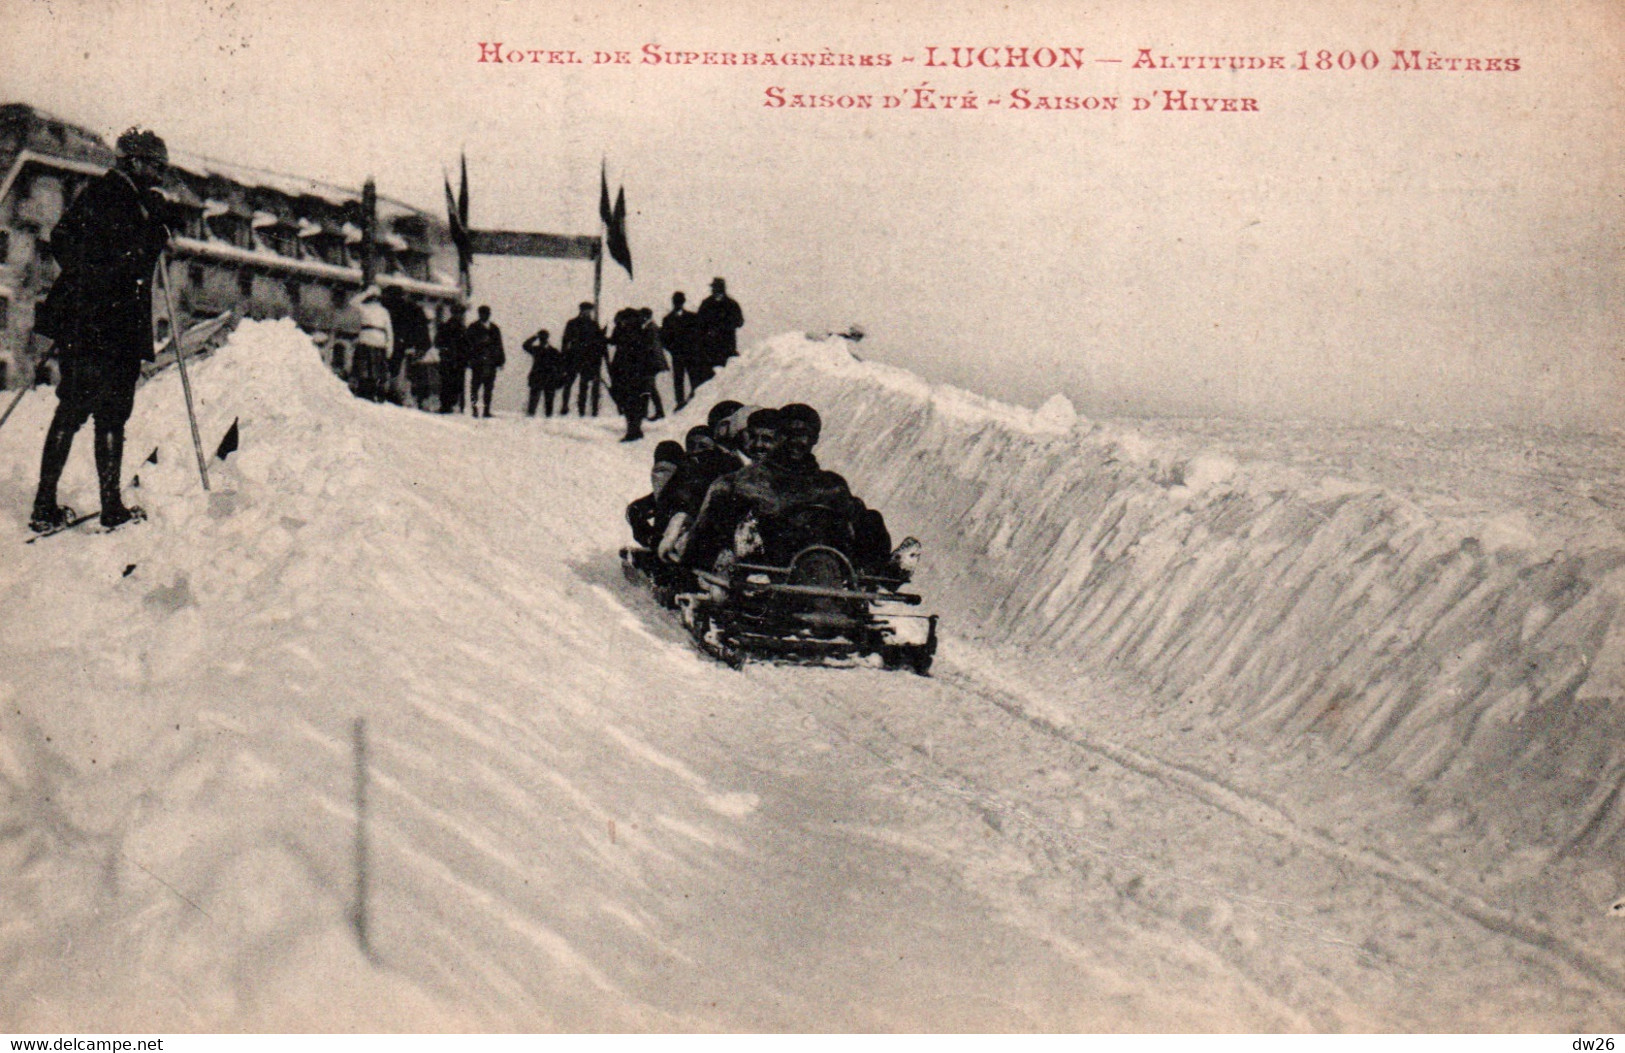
[1442,606]
[1126,801]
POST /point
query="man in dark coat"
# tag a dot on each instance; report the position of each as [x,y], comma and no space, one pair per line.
[546,373]
[647,515]
[583,347]
[657,359]
[705,463]
[679,334]
[410,330]
[483,345]
[453,369]
[794,501]
[632,372]
[99,313]
[718,320]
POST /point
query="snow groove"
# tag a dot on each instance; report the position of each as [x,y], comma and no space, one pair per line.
[1469,641]
[1272,818]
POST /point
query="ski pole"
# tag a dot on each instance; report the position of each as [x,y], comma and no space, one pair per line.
[7,415]
[180,362]
[28,352]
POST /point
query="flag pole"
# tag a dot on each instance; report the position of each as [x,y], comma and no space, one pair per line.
[597,275]
[603,233]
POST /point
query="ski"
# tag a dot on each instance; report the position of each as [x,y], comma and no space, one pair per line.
[78,521]
[69,525]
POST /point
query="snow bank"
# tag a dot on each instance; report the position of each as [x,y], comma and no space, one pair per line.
[1464,638]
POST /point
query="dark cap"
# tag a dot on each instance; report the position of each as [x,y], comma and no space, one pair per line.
[800,411]
[669,452]
[585,305]
[718,283]
[722,411]
[698,432]
[143,142]
[765,418]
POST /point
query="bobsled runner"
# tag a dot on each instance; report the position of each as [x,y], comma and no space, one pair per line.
[816,608]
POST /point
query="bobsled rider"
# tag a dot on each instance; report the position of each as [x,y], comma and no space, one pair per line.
[870,549]
[793,501]
[645,515]
[709,459]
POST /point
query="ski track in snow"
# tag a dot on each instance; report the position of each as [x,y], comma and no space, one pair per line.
[576,821]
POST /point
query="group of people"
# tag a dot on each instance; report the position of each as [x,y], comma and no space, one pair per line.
[747,482]
[396,358]
[692,345]
[98,315]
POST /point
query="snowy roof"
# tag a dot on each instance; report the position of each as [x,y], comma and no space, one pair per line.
[292,186]
[276,262]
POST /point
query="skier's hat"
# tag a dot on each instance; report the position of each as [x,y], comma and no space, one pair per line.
[142,142]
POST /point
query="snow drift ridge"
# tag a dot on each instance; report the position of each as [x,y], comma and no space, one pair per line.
[1458,652]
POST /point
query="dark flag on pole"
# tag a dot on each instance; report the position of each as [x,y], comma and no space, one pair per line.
[462,192]
[459,233]
[457,220]
[614,223]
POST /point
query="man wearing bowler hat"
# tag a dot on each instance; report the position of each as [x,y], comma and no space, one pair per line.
[718,320]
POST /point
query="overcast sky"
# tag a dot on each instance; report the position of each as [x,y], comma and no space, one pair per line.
[1371,244]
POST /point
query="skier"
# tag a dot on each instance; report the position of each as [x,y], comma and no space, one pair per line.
[99,313]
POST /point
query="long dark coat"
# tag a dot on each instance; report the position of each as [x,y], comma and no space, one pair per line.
[717,320]
[678,333]
[482,347]
[583,346]
[107,244]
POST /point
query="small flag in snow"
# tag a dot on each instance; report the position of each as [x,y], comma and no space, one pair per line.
[228,444]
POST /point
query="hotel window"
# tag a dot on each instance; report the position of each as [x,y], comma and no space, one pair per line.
[245,283]
[194,275]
